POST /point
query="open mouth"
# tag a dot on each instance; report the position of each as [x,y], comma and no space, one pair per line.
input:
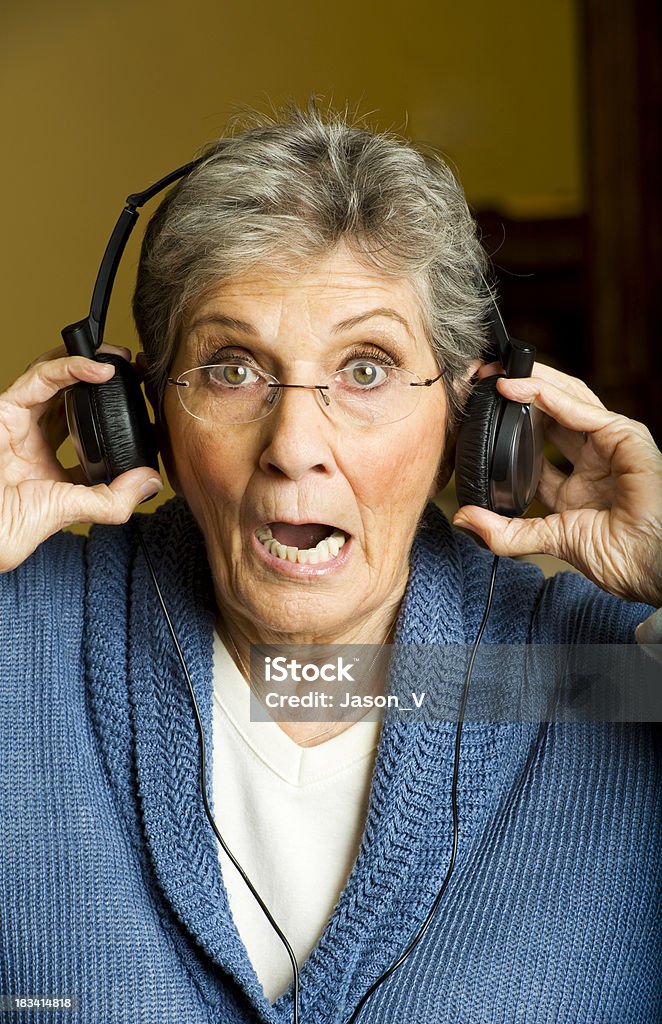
[305,543]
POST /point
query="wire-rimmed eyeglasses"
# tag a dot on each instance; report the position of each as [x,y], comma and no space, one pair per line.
[364,393]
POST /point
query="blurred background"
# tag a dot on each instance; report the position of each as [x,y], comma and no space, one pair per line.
[548,111]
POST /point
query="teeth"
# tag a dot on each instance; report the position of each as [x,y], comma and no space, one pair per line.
[323,552]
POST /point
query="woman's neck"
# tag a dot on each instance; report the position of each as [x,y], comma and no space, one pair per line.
[376,627]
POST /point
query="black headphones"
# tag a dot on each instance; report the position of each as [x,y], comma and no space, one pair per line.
[499,445]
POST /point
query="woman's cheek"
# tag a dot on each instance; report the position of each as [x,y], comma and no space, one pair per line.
[391,485]
[204,489]
[414,464]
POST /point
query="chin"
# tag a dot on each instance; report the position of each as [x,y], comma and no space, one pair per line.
[292,613]
[302,618]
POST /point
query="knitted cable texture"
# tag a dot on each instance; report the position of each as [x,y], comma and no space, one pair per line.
[111,886]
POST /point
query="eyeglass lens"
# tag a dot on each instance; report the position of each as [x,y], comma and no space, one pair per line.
[364,393]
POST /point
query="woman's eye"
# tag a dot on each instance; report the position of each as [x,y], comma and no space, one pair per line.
[365,374]
[232,374]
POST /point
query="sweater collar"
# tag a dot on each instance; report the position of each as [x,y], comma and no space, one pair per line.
[147,733]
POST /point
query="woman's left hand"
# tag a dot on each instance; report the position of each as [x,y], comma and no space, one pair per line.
[606,515]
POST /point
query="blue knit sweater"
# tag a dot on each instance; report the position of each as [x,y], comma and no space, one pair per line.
[111,885]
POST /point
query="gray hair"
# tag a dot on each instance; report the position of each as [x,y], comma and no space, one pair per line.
[288,189]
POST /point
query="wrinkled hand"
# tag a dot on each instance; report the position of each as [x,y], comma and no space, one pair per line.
[606,515]
[38,496]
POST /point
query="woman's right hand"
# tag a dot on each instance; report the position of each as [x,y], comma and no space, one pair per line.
[38,496]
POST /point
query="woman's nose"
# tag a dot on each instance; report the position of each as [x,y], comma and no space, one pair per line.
[298,435]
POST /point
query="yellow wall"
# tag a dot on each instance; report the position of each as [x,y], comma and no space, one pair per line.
[98,99]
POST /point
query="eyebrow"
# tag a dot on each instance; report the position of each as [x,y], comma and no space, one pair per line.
[222,320]
[354,321]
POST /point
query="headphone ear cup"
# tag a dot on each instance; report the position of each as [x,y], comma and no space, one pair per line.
[475,444]
[110,425]
[499,452]
[126,434]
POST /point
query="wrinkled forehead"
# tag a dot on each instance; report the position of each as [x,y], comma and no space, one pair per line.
[318,305]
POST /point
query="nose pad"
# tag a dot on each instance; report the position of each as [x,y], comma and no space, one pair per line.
[276,391]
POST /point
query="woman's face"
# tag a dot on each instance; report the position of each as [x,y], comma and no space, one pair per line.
[298,467]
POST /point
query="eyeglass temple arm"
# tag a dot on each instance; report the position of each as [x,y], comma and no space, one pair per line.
[426,383]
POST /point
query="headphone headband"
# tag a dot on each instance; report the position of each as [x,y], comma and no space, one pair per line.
[85,336]
[516,357]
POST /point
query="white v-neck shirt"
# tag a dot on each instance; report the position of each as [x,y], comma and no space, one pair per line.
[292,816]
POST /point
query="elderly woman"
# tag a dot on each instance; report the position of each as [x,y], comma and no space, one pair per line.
[309,252]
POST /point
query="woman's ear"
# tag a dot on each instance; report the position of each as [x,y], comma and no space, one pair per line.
[477,370]
[162,435]
[488,369]
[472,374]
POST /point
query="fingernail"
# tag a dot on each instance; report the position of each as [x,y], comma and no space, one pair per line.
[150,488]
